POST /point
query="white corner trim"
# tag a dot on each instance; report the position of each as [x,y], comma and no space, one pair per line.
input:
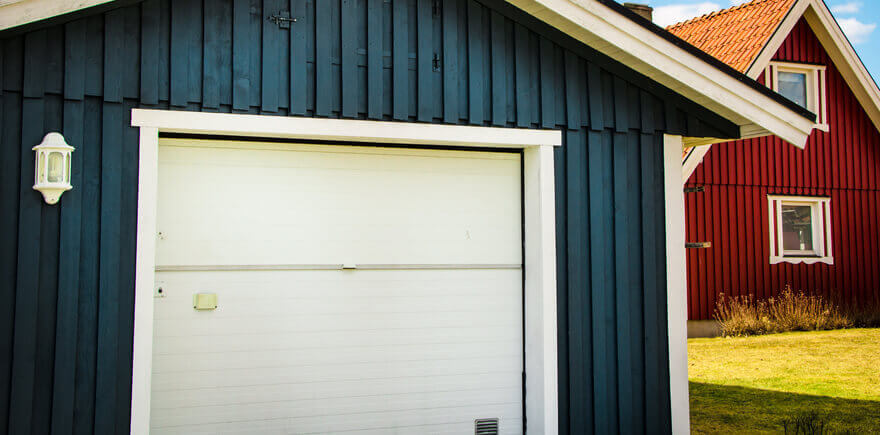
[540,266]
[16,13]
[541,383]
[341,129]
[604,29]
[142,360]
[676,290]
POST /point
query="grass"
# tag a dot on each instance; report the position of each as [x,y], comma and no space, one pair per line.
[753,384]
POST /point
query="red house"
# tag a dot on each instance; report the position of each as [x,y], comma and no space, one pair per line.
[776,215]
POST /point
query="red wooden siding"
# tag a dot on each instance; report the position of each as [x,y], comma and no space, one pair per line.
[732,214]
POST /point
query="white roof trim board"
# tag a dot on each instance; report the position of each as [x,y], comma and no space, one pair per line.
[14,13]
[839,50]
[607,31]
[638,47]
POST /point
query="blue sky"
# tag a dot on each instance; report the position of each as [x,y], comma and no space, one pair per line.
[858,18]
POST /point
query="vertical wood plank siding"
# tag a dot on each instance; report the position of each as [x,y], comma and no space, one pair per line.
[843,164]
[67,271]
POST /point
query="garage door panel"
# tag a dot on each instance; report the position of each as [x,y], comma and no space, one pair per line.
[437,420]
[303,205]
[321,340]
[192,361]
[341,406]
[425,336]
[348,322]
[309,374]
[325,390]
[319,292]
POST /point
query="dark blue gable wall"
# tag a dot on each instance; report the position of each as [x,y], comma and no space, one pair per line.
[67,271]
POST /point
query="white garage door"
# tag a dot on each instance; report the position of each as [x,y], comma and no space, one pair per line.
[420,332]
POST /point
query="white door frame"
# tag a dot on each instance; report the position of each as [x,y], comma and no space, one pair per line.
[539,220]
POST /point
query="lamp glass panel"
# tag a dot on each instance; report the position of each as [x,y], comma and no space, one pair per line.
[797,227]
[56,167]
[41,167]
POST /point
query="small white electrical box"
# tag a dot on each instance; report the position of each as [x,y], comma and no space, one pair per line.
[205,301]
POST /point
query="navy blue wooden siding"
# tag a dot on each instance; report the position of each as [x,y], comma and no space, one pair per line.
[67,271]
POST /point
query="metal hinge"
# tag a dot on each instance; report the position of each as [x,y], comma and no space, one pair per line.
[435,63]
[435,8]
[282,19]
[695,189]
[699,245]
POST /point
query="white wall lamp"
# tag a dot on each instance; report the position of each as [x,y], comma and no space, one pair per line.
[52,168]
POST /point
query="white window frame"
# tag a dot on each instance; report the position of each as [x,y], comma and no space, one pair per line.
[821,220]
[816,86]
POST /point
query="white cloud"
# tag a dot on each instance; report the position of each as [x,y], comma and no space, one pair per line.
[675,13]
[855,30]
[847,8]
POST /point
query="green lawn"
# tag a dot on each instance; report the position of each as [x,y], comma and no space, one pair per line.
[752,384]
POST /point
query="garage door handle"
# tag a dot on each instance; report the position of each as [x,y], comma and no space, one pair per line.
[267,267]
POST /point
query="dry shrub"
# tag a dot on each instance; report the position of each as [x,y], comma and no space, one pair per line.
[742,315]
[739,316]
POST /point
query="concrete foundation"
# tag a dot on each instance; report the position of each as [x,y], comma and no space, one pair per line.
[703,328]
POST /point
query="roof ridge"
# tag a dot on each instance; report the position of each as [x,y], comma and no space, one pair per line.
[714,14]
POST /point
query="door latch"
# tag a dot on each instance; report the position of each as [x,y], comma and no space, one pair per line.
[282,19]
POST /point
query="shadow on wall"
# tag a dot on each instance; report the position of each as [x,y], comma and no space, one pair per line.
[729,409]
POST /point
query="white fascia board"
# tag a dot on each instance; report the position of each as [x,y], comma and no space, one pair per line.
[15,13]
[845,58]
[837,46]
[607,31]
[345,130]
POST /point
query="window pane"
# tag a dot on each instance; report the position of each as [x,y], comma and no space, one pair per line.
[793,86]
[797,228]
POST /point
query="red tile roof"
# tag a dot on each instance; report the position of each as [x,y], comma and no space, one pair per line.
[735,35]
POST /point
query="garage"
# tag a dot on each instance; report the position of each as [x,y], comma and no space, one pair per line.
[313,288]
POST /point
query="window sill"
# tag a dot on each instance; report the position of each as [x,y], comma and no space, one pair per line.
[800,260]
[823,127]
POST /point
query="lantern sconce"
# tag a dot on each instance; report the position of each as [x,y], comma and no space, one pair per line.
[52,168]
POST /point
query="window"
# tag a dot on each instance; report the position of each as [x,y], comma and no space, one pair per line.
[793,85]
[800,230]
[802,83]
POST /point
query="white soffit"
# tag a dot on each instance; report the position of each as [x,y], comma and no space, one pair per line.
[605,30]
[14,13]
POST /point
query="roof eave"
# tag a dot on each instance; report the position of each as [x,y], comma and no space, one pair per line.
[17,13]
[644,50]
[838,47]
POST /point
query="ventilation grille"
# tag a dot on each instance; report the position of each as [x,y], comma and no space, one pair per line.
[486,426]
